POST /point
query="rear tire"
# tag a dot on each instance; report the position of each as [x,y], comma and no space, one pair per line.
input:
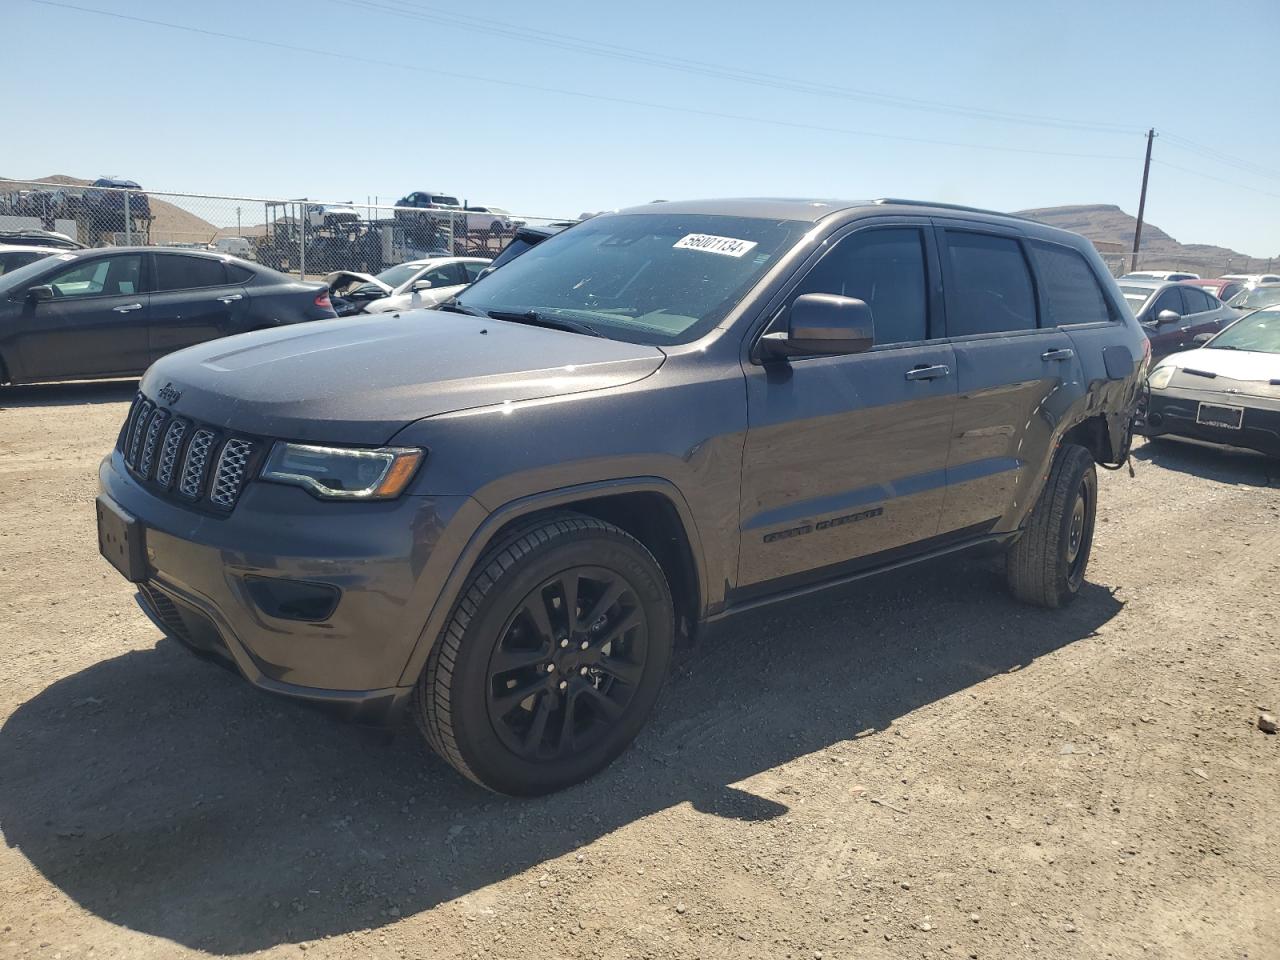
[552,659]
[1046,566]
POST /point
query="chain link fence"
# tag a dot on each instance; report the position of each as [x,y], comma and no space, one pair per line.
[299,236]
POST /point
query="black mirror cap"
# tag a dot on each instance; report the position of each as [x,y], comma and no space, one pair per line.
[823,325]
[43,292]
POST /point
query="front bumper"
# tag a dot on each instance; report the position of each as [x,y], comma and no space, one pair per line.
[204,576]
[1172,412]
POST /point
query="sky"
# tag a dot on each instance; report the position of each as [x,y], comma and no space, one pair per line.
[563,106]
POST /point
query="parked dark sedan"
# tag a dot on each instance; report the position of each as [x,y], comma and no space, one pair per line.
[1173,314]
[110,312]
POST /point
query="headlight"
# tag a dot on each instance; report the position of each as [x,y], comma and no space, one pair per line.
[1160,378]
[343,473]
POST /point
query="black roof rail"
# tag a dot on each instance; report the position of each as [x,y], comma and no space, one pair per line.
[950,206]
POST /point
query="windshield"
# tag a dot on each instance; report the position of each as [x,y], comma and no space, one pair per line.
[401,273]
[1136,296]
[644,278]
[1262,296]
[1259,332]
[17,278]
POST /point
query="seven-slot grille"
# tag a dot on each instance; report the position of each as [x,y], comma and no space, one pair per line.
[201,464]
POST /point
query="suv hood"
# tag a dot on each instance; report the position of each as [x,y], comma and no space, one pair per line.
[360,380]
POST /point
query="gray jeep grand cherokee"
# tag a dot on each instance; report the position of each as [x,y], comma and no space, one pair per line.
[504,513]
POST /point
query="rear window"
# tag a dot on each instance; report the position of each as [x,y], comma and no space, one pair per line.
[1070,287]
[178,272]
[989,288]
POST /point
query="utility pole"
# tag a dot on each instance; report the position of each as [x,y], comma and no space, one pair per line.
[1142,199]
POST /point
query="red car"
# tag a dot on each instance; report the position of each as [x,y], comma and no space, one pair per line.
[1224,288]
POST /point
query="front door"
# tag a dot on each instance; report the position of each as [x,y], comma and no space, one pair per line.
[845,457]
[95,325]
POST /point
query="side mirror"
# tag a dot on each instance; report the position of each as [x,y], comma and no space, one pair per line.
[1203,337]
[421,285]
[1167,316]
[42,292]
[822,325]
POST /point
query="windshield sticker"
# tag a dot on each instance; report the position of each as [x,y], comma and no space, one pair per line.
[65,256]
[725,246]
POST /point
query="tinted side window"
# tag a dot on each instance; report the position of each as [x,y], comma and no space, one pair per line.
[1071,290]
[1171,299]
[473,270]
[446,275]
[238,274]
[885,268]
[989,286]
[177,272]
[1195,300]
[1230,290]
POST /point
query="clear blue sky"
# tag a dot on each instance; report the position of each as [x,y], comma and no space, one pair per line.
[398,101]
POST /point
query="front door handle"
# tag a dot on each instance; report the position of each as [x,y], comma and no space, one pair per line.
[128,308]
[1062,353]
[924,372]
[231,297]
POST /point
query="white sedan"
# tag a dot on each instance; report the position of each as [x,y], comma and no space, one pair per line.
[418,283]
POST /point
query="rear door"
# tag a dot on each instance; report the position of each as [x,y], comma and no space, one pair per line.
[845,457]
[95,325]
[193,300]
[1015,373]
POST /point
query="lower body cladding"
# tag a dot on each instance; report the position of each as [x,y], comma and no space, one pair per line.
[1231,419]
[318,600]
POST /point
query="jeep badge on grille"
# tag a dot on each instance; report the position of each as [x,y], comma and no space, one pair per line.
[170,394]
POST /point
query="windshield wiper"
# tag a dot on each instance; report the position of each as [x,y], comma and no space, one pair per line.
[453,306]
[1221,346]
[535,319]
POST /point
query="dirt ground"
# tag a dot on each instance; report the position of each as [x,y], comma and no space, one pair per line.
[914,766]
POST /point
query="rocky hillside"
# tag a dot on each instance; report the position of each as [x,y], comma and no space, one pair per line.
[1107,222]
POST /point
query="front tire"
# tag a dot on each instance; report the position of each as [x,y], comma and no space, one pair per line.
[1046,565]
[552,659]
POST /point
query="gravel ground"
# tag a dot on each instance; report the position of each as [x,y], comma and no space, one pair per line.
[911,767]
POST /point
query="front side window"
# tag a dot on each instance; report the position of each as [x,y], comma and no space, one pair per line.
[1071,290]
[445,275]
[658,278]
[1170,299]
[105,277]
[886,269]
[473,270]
[178,272]
[989,287]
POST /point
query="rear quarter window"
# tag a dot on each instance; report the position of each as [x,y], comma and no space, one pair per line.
[1070,288]
[236,273]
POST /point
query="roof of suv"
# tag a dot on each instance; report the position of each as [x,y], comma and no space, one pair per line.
[812,210]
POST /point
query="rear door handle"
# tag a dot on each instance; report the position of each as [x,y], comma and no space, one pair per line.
[231,297]
[128,308]
[1062,353]
[929,373]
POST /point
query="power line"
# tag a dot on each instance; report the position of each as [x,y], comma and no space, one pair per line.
[1217,156]
[1209,176]
[533,35]
[559,91]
